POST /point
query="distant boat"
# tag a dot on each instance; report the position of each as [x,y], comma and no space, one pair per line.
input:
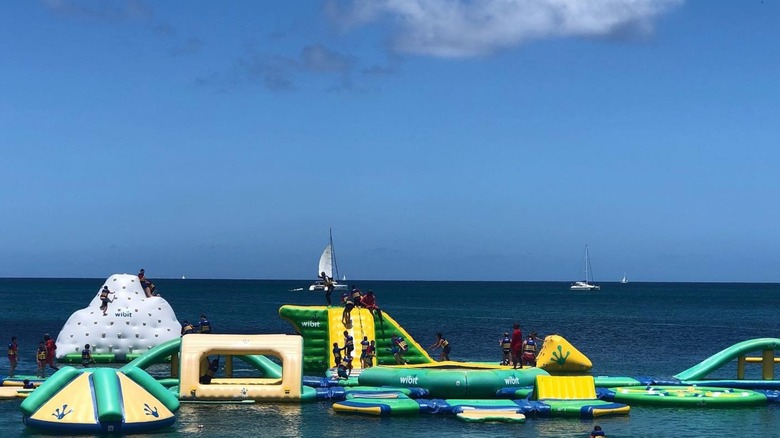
[183,277]
[624,280]
[329,266]
[587,283]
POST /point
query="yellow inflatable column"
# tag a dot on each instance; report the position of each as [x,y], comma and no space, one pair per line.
[558,354]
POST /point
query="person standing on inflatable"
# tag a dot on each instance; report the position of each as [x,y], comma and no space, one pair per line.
[516,346]
[443,344]
[327,283]
[40,357]
[204,326]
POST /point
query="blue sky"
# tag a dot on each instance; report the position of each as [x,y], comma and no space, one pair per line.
[438,139]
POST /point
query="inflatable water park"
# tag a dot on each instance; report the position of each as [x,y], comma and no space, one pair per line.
[140,369]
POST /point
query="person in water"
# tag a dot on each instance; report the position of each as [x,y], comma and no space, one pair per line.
[210,372]
[105,299]
[26,384]
[506,349]
[516,345]
[86,356]
[369,302]
[13,355]
[204,326]
[186,328]
[51,351]
[327,284]
[596,432]
[40,357]
[443,344]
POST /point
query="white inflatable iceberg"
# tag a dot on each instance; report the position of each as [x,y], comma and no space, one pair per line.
[134,323]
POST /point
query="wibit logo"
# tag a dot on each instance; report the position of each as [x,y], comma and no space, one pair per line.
[61,414]
[409,380]
[150,411]
[123,314]
[512,380]
[310,323]
[558,356]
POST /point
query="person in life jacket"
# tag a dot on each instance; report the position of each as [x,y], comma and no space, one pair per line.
[399,349]
[51,349]
[349,344]
[86,357]
[187,328]
[210,372]
[596,432]
[40,357]
[104,299]
[336,354]
[365,345]
[369,302]
[529,351]
[370,354]
[443,344]
[327,284]
[346,316]
[13,355]
[356,296]
[344,369]
[204,326]
[26,384]
[506,348]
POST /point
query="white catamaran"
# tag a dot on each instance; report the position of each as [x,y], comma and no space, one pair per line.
[588,283]
[329,266]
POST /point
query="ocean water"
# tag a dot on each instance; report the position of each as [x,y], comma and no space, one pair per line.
[634,329]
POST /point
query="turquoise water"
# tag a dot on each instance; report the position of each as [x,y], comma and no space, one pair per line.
[636,329]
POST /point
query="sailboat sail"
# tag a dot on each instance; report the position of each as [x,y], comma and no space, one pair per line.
[326,262]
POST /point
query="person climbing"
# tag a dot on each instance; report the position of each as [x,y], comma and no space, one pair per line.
[399,349]
[40,357]
[516,345]
[369,302]
[210,372]
[349,344]
[365,345]
[51,349]
[13,355]
[370,354]
[443,344]
[346,315]
[86,356]
[148,287]
[204,326]
[357,296]
[336,354]
[186,328]
[344,368]
[529,351]
[596,432]
[105,299]
[327,285]
[26,384]
[506,348]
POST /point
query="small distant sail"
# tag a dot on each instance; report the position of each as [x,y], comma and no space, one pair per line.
[183,277]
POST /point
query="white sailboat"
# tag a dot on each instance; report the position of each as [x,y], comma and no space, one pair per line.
[329,266]
[587,284]
[624,280]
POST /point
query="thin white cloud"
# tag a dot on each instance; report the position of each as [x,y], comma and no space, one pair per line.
[463,28]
